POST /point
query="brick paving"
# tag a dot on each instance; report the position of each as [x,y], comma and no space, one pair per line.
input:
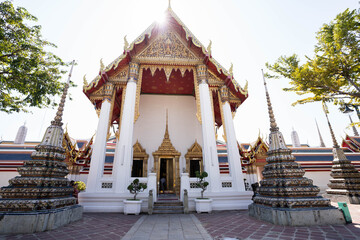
[219,224]
[238,225]
[99,226]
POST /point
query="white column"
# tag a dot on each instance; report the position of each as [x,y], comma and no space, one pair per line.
[124,148]
[99,149]
[210,156]
[232,149]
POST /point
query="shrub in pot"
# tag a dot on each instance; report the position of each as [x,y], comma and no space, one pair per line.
[202,204]
[133,206]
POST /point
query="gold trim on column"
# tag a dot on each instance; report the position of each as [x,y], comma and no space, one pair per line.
[212,108]
[121,110]
[221,104]
[197,97]
[111,114]
[138,91]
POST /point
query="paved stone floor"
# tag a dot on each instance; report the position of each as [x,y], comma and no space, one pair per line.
[92,226]
[217,225]
[168,226]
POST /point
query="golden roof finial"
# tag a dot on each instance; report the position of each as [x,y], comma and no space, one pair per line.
[85,82]
[209,48]
[326,111]
[231,69]
[246,86]
[273,125]
[101,65]
[169,4]
[126,43]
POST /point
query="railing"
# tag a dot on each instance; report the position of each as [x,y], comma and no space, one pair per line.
[150,202]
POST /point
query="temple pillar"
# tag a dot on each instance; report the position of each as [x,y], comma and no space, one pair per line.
[231,143]
[209,150]
[99,149]
[124,147]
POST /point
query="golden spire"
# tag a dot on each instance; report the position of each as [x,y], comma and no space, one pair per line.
[126,43]
[101,65]
[209,48]
[166,136]
[273,125]
[59,113]
[231,69]
[326,111]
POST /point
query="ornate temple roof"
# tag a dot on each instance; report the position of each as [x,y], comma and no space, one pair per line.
[196,53]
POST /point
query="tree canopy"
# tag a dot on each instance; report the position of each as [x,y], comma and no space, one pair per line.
[333,73]
[29,75]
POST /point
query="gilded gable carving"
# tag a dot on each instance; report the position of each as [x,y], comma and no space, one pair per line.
[120,76]
[214,81]
[167,46]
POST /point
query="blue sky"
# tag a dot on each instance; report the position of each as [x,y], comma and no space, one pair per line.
[245,33]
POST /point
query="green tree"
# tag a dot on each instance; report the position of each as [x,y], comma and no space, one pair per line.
[29,75]
[333,74]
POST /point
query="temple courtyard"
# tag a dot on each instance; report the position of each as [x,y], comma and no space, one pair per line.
[217,225]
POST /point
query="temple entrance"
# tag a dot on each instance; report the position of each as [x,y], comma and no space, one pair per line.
[166,174]
[166,166]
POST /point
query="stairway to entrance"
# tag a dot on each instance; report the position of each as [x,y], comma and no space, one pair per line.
[168,204]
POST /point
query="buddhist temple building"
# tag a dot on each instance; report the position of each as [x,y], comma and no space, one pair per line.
[166,94]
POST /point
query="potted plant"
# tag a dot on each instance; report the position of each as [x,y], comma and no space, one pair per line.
[133,206]
[202,204]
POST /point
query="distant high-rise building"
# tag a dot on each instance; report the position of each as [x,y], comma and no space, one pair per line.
[21,135]
[295,139]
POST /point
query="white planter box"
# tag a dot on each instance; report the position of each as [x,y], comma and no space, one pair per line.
[132,207]
[203,205]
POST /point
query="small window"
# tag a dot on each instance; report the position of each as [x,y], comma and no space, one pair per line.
[137,168]
[194,166]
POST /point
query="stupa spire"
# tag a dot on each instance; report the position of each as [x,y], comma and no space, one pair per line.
[322,144]
[335,144]
[273,125]
[58,118]
[353,127]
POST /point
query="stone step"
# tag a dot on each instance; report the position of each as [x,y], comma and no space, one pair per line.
[168,207]
[165,211]
[177,203]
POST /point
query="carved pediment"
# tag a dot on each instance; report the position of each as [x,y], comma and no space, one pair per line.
[139,151]
[167,46]
[194,151]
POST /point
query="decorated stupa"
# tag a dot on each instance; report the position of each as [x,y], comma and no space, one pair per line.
[285,196]
[42,188]
[344,185]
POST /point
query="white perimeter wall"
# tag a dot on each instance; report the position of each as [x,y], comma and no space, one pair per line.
[6,176]
[320,179]
[184,127]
